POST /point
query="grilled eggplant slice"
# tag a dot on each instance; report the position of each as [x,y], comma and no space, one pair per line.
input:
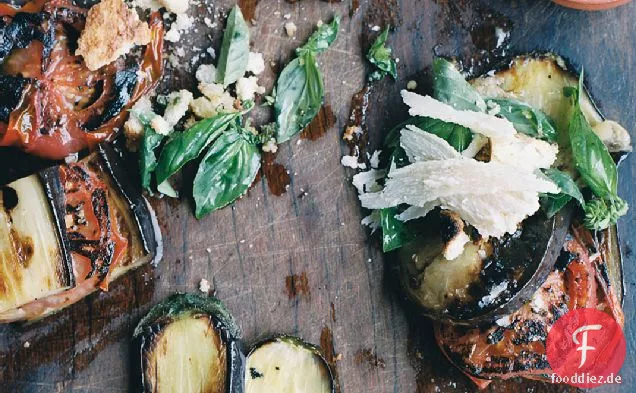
[495,278]
[515,345]
[68,231]
[189,344]
[287,364]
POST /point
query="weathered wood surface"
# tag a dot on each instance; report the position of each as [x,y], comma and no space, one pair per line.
[249,251]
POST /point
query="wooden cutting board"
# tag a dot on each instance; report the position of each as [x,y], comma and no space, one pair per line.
[301,263]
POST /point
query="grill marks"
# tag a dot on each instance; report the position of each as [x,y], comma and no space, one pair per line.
[94,235]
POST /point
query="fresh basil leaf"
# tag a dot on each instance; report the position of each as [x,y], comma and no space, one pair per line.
[591,157]
[147,158]
[565,183]
[526,119]
[322,38]
[226,172]
[457,136]
[186,146]
[393,230]
[380,56]
[553,203]
[235,49]
[299,96]
[450,86]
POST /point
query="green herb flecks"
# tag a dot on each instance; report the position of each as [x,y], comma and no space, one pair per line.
[380,56]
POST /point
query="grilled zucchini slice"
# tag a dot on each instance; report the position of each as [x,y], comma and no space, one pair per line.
[286,364]
[189,344]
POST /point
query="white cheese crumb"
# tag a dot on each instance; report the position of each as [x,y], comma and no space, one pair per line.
[255,63]
[352,162]
[247,88]
[270,146]
[204,286]
[176,6]
[376,28]
[180,25]
[160,125]
[206,73]
[133,129]
[320,23]
[411,85]
[290,28]
[178,103]
[287,16]
[27,344]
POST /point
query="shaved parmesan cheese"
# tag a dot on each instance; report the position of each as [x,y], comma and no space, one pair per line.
[420,145]
[492,197]
[368,181]
[524,152]
[482,123]
[372,221]
[475,146]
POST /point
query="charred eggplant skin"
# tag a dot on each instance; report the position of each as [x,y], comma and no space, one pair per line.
[179,305]
[296,341]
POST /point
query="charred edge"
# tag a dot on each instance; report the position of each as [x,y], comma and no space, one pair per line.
[125,81]
[132,195]
[54,191]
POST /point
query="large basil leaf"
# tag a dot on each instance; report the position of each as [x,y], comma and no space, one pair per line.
[552,203]
[449,86]
[235,49]
[186,146]
[526,119]
[380,56]
[299,96]
[596,167]
[322,38]
[226,172]
[147,158]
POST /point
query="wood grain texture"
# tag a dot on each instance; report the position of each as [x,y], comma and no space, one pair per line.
[248,251]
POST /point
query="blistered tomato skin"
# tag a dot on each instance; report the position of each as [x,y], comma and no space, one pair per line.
[64,107]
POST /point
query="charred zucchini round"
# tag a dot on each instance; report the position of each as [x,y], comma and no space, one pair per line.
[190,344]
[287,364]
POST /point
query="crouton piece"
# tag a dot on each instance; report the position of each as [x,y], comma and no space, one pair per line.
[112,29]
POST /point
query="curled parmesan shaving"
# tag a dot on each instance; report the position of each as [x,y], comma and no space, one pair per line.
[424,146]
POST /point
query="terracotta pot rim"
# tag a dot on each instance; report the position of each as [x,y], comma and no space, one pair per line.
[592,5]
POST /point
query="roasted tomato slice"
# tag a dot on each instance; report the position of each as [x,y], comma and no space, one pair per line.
[64,107]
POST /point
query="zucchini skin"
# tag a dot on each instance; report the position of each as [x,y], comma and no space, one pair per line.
[179,305]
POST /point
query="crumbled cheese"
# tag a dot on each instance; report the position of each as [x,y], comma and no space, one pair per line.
[492,197]
[180,25]
[133,129]
[176,6]
[204,286]
[290,28]
[160,125]
[411,85]
[376,28]
[247,88]
[203,108]
[219,99]
[255,63]
[112,30]
[152,5]
[482,123]
[206,73]
[424,146]
[27,344]
[270,146]
[178,103]
[287,16]
[352,162]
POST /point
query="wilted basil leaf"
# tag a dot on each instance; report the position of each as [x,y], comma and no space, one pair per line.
[235,49]
[380,56]
[526,119]
[322,38]
[449,86]
[226,172]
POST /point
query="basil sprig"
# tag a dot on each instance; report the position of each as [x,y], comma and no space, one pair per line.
[380,56]
[235,49]
[227,171]
[552,203]
[188,145]
[596,167]
[526,119]
[299,89]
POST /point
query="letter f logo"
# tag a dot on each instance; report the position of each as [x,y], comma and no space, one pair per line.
[584,347]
